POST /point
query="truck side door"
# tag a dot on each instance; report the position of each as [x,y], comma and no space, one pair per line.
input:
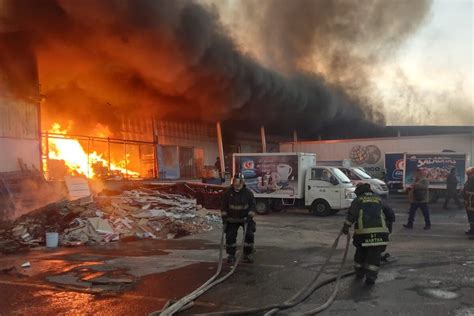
[318,186]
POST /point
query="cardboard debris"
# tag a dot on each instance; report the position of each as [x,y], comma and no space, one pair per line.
[78,188]
[26,265]
[100,225]
[142,213]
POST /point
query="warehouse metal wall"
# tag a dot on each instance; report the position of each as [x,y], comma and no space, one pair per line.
[19,104]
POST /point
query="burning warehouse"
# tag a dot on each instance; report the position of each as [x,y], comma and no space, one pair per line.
[133,89]
[117,116]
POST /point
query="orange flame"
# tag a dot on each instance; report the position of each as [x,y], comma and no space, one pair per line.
[76,158]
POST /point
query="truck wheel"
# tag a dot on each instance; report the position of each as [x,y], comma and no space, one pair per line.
[320,208]
[261,207]
[277,206]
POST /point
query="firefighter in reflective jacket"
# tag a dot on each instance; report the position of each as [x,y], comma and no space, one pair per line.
[373,222]
[238,207]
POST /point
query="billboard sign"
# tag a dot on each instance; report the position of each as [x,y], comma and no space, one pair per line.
[269,174]
[436,167]
[394,165]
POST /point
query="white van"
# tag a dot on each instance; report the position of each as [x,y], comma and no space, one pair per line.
[328,190]
[279,180]
[358,175]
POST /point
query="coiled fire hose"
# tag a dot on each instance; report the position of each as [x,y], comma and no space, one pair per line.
[306,291]
[186,301]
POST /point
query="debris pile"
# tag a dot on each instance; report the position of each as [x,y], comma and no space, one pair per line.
[207,195]
[137,213]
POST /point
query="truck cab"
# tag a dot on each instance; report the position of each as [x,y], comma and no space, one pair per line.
[357,175]
[327,190]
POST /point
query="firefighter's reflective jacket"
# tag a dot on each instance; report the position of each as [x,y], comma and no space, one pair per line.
[237,205]
[373,220]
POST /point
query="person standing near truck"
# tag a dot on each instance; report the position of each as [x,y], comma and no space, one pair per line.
[373,223]
[468,193]
[418,196]
[452,189]
[238,209]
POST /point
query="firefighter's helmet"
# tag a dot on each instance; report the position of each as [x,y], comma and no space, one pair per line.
[362,188]
[238,182]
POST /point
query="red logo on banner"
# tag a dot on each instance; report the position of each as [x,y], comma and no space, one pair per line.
[399,164]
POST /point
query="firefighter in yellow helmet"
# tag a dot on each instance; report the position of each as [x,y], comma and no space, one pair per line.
[238,207]
[373,223]
[468,193]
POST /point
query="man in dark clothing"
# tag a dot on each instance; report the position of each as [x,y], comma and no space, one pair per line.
[373,223]
[217,165]
[418,196]
[452,189]
[468,193]
[238,208]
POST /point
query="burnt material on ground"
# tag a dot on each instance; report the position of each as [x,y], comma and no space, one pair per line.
[433,274]
[146,211]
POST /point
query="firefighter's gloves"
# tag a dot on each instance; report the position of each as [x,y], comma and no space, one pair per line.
[345,229]
[224,217]
[389,226]
[250,215]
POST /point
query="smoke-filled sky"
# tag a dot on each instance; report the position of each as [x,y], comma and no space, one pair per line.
[300,64]
[437,67]
[425,80]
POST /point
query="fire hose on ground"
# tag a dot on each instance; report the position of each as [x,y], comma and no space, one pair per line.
[187,301]
[303,294]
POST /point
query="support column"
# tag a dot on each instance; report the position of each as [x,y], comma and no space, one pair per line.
[220,145]
[108,156]
[264,141]
[156,141]
[48,171]
[295,136]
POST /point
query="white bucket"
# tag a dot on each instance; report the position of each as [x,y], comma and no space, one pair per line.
[52,240]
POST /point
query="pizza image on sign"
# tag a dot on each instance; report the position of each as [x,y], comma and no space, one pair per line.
[359,154]
[370,154]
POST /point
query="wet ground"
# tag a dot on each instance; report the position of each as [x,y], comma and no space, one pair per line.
[434,273]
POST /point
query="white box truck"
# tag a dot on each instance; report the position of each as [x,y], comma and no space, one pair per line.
[294,179]
[369,153]
[436,167]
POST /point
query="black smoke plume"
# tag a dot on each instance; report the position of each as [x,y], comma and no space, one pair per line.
[99,60]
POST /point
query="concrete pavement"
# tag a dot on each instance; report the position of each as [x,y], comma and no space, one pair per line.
[434,274]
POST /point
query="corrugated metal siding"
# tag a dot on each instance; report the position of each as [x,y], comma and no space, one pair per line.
[198,135]
[14,149]
[18,119]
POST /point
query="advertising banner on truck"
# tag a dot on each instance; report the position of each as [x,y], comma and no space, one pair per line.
[394,168]
[269,174]
[436,167]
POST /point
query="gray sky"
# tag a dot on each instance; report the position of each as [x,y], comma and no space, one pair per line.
[437,62]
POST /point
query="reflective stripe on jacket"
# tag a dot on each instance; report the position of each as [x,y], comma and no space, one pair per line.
[370,216]
[237,205]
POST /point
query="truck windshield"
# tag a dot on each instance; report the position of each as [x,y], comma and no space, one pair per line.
[361,173]
[340,175]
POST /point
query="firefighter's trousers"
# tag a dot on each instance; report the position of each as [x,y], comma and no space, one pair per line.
[231,237]
[367,261]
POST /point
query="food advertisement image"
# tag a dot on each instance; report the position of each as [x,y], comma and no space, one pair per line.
[269,174]
[435,167]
